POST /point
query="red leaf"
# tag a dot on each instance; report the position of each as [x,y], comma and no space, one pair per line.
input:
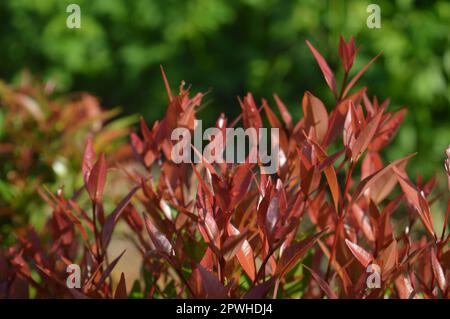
[274,122]
[160,241]
[112,219]
[231,246]
[447,214]
[208,228]
[208,260]
[322,283]
[88,159]
[109,269]
[330,173]
[416,199]
[366,135]
[206,285]
[438,271]
[245,254]
[363,221]
[326,71]
[389,258]
[273,210]
[121,290]
[447,165]
[360,254]
[259,291]
[294,252]
[136,143]
[316,115]
[97,180]
[146,133]
[250,112]
[339,114]
[242,179]
[371,164]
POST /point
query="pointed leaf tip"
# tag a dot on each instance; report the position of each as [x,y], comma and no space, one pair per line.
[326,71]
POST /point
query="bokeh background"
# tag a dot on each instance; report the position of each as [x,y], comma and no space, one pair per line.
[233,46]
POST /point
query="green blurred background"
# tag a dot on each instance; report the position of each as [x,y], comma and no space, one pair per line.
[234,46]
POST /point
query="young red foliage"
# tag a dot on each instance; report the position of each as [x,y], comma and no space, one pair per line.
[228,231]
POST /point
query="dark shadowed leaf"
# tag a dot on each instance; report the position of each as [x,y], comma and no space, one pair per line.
[112,219]
[88,159]
[366,135]
[260,291]
[379,185]
[160,241]
[387,131]
[416,198]
[97,180]
[285,115]
[109,269]
[121,290]
[206,284]
[322,283]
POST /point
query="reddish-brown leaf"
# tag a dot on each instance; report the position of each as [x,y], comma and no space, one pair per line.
[112,219]
[387,131]
[379,185]
[371,164]
[326,71]
[360,253]
[330,173]
[416,199]
[206,285]
[160,241]
[97,180]
[260,291]
[316,115]
[366,135]
[88,159]
[438,271]
[166,84]
[347,52]
[245,254]
[294,252]
[389,258]
[121,290]
[242,179]
[322,284]
[109,269]
[285,115]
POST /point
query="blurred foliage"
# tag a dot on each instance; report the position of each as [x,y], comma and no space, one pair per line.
[235,46]
[42,139]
